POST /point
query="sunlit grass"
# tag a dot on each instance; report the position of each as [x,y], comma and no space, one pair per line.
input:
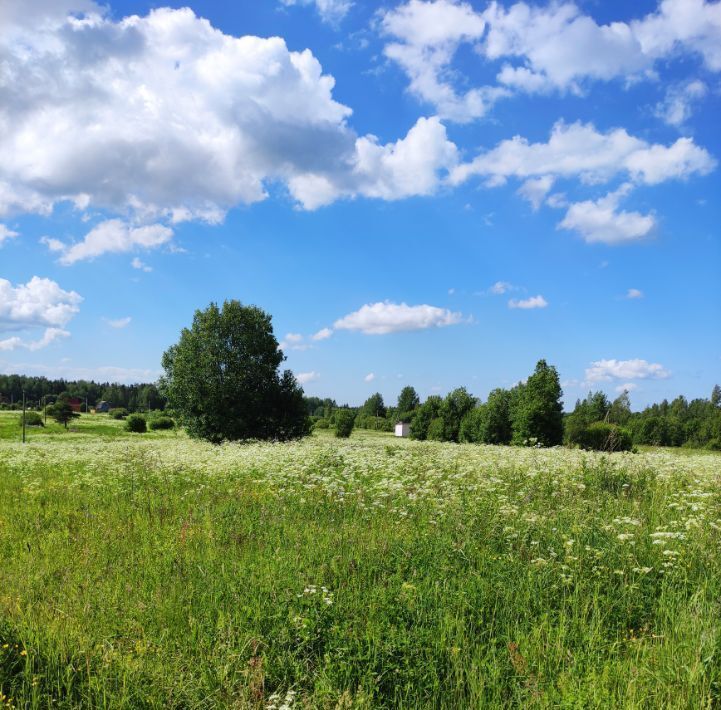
[163,572]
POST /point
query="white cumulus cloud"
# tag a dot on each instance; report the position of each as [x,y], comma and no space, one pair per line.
[601,221]
[387,317]
[369,377]
[116,236]
[136,263]
[637,369]
[323,334]
[38,304]
[6,233]
[528,303]
[305,377]
[329,10]
[677,106]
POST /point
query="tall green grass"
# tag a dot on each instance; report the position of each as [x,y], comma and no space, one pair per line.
[166,573]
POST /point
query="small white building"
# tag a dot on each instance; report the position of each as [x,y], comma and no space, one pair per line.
[403,429]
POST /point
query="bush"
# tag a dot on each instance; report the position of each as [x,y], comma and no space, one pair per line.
[435,430]
[602,436]
[136,423]
[344,421]
[322,423]
[161,423]
[31,419]
[714,445]
[118,413]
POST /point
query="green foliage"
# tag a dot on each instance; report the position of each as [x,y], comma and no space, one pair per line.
[118,413]
[428,411]
[436,430]
[374,406]
[62,412]
[602,436]
[473,425]
[497,428]
[160,423]
[31,419]
[321,423]
[222,378]
[136,423]
[408,402]
[455,406]
[368,421]
[344,422]
[537,415]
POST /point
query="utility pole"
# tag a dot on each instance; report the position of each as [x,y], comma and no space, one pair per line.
[23,416]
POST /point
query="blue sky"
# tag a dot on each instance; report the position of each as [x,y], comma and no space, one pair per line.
[430,193]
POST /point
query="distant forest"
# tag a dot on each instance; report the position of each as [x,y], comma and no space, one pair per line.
[523,414]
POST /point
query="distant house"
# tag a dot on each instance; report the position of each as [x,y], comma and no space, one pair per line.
[102,407]
[403,429]
[76,403]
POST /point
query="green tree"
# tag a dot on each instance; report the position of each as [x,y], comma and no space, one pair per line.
[61,411]
[620,411]
[222,378]
[408,402]
[455,406]
[538,414]
[374,406]
[716,396]
[425,414]
[344,423]
[497,427]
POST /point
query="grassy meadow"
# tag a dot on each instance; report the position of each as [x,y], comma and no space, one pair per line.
[153,571]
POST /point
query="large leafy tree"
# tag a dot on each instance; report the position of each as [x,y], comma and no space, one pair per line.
[223,380]
[537,413]
[408,401]
[374,406]
[455,406]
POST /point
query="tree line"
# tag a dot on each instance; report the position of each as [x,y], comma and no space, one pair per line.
[531,413]
[134,398]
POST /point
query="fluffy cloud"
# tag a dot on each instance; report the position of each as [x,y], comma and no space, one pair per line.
[369,377]
[323,334]
[6,233]
[634,293]
[410,166]
[330,10]
[528,303]
[608,370]
[118,322]
[677,106]
[425,37]
[386,317]
[540,48]
[501,287]
[53,245]
[579,150]
[559,47]
[535,190]
[165,118]
[600,220]
[305,377]
[40,303]
[626,387]
[116,236]
[293,341]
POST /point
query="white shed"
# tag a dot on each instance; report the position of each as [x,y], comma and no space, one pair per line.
[403,429]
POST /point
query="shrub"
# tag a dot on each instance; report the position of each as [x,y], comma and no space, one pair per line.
[161,423]
[344,421]
[435,430]
[714,445]
[118,413]
[322,423]
[602,436]
[136,423]
[31,419]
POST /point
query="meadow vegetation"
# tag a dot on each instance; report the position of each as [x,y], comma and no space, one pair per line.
[153,570]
